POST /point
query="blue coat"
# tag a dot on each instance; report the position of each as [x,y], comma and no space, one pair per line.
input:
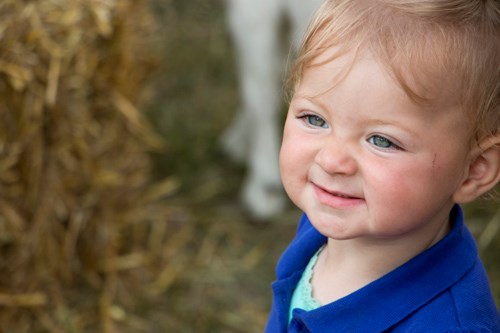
[443,289]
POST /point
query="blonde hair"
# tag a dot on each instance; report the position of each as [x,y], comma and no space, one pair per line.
[430,47]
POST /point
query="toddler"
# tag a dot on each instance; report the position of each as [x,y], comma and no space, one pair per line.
[394,122]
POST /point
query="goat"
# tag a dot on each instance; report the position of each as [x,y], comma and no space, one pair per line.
[253,136]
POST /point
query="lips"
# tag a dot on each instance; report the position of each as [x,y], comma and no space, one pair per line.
[341,195]
[336,199]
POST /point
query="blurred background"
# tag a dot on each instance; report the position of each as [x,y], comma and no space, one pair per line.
[118,212]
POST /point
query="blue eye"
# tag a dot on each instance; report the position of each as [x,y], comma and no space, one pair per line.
[381,142]
[315,121]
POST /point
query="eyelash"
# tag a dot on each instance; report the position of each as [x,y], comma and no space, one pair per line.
[391,145]
[307,119]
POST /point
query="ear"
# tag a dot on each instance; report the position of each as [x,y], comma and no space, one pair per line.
[483,172]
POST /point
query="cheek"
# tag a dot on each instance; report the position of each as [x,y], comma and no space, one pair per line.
[403,183]
[450,171]
[286,154]
[294,165]
[290,161]
[398,196]
[289,174]
[290,152]
[413,187]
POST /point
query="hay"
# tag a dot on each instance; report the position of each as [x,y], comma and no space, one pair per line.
[74,166]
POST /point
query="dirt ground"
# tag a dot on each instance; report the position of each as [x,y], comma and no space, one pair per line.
[224,263]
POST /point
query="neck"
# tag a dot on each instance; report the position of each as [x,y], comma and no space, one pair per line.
[345,266]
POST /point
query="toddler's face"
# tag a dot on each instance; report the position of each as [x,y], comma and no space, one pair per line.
[362,160]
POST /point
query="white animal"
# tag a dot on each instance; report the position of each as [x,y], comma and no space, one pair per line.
[253,136]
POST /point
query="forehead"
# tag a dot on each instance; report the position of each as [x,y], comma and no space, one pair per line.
[424,83]
[357,81]
[353,77]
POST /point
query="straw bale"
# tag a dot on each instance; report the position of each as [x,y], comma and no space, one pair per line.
[73,158]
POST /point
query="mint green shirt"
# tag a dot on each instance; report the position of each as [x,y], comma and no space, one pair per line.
[302,297]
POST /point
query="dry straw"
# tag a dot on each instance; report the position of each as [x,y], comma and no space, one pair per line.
[74,188]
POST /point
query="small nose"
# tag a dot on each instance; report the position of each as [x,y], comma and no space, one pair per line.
[336,157]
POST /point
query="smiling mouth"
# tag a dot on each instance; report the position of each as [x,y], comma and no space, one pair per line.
[336,193]
[336,199]
[340,195]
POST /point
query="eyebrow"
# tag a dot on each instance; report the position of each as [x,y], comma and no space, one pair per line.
[311,99]
[372,122]
[369,122]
